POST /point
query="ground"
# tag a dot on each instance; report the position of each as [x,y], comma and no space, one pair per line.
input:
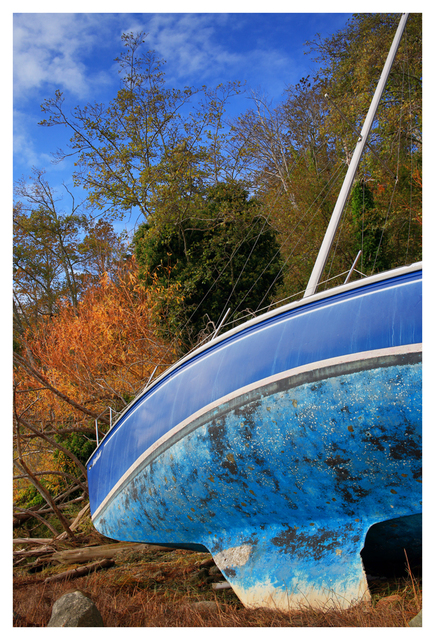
[164,588]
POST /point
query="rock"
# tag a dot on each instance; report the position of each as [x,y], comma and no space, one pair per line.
[417,621]
[208,562]
[74,609]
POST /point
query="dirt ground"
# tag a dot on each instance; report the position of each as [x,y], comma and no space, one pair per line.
[175,588]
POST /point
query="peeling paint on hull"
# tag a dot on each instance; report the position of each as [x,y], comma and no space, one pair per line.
[282,478]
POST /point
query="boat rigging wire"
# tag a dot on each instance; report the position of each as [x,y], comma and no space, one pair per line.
[244,267]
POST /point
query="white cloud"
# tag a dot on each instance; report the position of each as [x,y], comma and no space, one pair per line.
[189,43]
[52,48]
[56,49]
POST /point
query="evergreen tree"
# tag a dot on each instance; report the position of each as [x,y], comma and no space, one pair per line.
[224,256]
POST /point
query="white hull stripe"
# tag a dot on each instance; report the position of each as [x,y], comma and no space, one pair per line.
[353,357]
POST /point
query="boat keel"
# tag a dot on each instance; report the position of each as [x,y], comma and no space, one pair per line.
[289,567]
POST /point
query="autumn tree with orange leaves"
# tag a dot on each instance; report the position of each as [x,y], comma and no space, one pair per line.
[70,371]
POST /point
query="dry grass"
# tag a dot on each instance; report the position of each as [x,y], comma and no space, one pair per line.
[160,589]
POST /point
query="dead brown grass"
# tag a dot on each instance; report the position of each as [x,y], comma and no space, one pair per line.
[160,589]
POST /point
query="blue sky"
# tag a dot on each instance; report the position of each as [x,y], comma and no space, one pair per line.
[75,52]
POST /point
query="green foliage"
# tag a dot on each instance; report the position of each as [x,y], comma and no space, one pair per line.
[370,235]
[30,496]
[81,446]
[224,255]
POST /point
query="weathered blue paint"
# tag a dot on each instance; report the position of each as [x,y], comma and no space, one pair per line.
[349,321]
[278,448]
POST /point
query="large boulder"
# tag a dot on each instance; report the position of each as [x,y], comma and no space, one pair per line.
[74,609]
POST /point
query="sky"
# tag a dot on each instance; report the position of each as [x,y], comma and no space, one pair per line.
[74,52]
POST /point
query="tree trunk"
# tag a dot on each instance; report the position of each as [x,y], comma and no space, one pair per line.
[47,497]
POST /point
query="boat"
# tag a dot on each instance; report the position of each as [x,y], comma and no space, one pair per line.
[280,446]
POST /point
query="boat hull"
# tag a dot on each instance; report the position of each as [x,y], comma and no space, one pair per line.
[279,447]
[293,473]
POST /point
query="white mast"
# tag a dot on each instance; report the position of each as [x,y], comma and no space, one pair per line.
[347,184]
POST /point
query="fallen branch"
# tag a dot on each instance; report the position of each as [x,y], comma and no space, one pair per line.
[54,443]
[24,514]
[47,497]
[81,571]
[85,554]
[57,432]
[36,553]
[76,522]
[37,511]
[37,514]
[221,585]
[43,541]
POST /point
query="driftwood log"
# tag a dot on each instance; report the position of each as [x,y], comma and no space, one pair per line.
[32,541]
[34,553]
[221,585]
[85,554]
[81,571]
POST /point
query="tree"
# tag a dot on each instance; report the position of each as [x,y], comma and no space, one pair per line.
[295,173]
[45,247]
[146,138]
[262,136]
[57,253]
[74,368]
[299,150]
[102,250]
[352,62]
[224,255]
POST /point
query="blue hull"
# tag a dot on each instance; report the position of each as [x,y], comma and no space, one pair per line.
[278,446]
